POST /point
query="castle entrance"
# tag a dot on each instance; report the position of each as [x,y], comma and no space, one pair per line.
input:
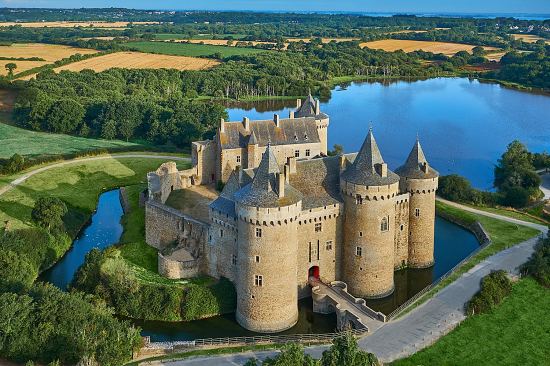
[314,272]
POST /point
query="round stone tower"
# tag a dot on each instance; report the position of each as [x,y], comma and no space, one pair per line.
[369,189]
[267,211]
[421,181]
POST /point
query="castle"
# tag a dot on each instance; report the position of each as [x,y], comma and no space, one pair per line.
[288,212]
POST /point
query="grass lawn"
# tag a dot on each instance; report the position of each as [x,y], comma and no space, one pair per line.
[517,332]
[30,144]
[78,184]
[503,235]
[191,49]
[512,214]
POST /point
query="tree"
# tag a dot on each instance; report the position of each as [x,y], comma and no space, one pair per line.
[65,116]
[455,188]
[292,354]
[48,212]
[345,351]
[108,131]
[10,67]
[17,274]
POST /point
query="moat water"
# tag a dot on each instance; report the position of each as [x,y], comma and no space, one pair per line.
[464,125]
[452,244]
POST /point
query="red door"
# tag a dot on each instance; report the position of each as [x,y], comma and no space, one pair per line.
[314,272]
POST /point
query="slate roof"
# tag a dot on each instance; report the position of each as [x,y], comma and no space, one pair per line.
[413,166]
[292,131]
[318,180]
[307,109]
[263,190]
[363,169]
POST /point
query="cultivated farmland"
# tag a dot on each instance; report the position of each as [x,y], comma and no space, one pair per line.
[190,49]
[73,24]
[448,49]
[48,52]
[530,38]
[138,60]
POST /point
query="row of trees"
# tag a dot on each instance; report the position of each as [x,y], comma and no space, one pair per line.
[529,69]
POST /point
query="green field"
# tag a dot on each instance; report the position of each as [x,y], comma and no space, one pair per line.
[517,332]
[31,144]
[167,36]
[191,49]
[78,184]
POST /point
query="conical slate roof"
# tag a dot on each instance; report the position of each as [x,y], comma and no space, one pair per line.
[307,109]
[413,166]
[263,190]
[363,171]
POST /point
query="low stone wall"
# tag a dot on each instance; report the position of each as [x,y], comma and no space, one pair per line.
[176,269]
[342,289]
[124,202]
[476,228]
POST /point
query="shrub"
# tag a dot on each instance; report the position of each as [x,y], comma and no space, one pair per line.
[345,351]
[538,265]
[202,302]
[494,288]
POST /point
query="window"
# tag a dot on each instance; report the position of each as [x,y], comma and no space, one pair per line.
[318,227]
[258,232]
[328,245]
[306,137]
[258,280]
[360,234]
[358,251]
[234,259]
[238,158]
[417,212]
[384,224]
[296,153]
[358,199]
[257,259]
[402,227]
[221,233]
[308,152]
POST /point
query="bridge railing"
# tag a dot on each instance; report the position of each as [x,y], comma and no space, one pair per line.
[252,340]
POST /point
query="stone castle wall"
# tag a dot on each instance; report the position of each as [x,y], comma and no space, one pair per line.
[177,269]
[370,272]
[222,246]
[204,155]
[272,305]
[401,223]
[421,220]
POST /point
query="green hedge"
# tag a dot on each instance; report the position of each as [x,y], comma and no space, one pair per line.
[538,265]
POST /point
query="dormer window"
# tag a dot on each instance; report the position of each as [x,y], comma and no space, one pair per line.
[305,137]
[295,138]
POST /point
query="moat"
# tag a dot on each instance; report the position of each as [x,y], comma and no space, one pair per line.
[452,244]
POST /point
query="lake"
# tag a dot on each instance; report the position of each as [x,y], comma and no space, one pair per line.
[464,125]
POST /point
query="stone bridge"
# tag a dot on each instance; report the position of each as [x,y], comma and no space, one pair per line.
[351,312]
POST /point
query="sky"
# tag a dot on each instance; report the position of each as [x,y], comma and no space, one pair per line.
[401,6]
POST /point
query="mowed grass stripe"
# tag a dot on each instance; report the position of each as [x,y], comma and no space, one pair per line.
[190,49]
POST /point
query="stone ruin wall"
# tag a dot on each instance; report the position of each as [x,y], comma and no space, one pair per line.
[167,227]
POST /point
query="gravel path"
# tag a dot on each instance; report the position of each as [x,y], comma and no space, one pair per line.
[26,176]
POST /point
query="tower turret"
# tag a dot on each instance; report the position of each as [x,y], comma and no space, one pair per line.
[267,211]
[312,108]
[421,181]
[369,189]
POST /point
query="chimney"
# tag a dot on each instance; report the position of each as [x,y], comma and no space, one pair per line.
[425,167]
[342,160]
[317,107]
[291,115]
[298,103]
[246,123]
[277,120]
[292,164]
[281,185]
[382,169]
[287,173]
[239,173]
[222,125]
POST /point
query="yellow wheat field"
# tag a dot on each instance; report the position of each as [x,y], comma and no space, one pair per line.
[21,66]
[73,24]
[448,49]
[138,60]
[529,38]
[48,52]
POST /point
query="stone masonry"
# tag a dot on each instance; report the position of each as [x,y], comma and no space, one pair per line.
[289,213]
